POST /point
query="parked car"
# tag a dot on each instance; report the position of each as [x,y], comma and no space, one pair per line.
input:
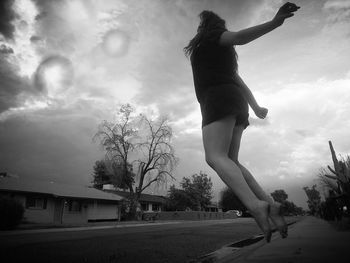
[237,212]
[246,214]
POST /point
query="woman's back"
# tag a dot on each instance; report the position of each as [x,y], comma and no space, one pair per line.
[212,64]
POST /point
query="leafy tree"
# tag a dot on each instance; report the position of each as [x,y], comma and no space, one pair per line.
[229,201]
[179,200]
[100,175]
[199,188]
[314,199]
[195,193]
[118,176]
[279,196]
[137,141]
[288,207]
[109,172]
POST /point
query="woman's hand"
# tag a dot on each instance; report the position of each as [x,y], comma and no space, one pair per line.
[260,112]
[284,12]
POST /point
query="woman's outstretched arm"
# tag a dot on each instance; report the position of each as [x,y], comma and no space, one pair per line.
[260,112]
[249,34]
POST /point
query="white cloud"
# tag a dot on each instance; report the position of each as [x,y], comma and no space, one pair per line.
[25,55]
[333,4]
[303,116]
[265,12]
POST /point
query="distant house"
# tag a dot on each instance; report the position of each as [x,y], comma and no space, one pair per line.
[51,202]
[212,208]
[149,203]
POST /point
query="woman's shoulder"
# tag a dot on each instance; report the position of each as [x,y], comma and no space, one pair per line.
[213,35]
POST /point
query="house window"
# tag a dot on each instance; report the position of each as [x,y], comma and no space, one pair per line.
[155,207]
[73,206]
[144,207]
[33,202]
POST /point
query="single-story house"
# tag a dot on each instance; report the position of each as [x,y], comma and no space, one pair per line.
[52,202]
[149,203]
[212,208]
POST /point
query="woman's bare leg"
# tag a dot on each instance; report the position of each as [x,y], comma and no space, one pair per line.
[217,138]
[275,207]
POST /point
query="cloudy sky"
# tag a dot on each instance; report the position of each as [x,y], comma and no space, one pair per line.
[66,65]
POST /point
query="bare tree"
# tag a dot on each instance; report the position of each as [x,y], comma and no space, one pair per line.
[117,139]
[158,156]
[142,142]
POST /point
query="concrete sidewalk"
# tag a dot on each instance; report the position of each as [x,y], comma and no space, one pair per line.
[310,240]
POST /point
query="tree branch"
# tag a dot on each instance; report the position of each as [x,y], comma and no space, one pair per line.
[330,168]
[149,183]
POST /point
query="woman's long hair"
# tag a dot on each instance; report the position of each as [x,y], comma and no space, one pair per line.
[208,21]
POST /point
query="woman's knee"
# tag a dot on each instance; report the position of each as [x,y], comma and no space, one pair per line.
[214,160]
[211,160]
[233,154]
[235,160]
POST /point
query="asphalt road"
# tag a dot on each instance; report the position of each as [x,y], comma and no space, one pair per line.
[178,242]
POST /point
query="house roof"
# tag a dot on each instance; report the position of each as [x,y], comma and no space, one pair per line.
[143,198]
[54,188]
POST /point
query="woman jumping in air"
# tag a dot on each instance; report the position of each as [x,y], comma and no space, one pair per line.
[224,99]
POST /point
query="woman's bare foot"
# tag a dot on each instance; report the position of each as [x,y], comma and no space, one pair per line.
[278,220]
[261,215]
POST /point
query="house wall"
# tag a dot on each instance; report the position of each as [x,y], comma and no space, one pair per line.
[75,217]
[149,207]
[34,215]
[39,215]
[90,209]
[99,210]
[70,217]
[156,207]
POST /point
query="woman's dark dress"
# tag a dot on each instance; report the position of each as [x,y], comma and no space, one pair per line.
[214,67]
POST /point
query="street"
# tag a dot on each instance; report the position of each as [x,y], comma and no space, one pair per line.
[178,242]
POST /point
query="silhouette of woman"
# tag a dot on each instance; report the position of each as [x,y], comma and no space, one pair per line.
[224,99]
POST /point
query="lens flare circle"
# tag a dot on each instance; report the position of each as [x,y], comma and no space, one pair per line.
[54,75]
[116,43]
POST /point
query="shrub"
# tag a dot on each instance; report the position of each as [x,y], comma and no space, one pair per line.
[11,213]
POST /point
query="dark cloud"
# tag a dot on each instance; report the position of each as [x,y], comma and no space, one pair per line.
[51,145]
[11,85]
[5,49]
[14,89]
[6,16]
[35,39]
